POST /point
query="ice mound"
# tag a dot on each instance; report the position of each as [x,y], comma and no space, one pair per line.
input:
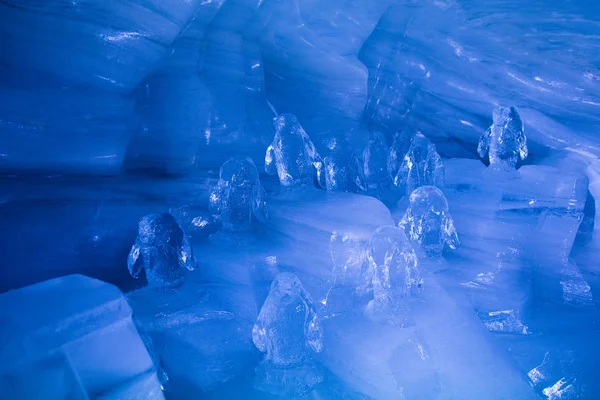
[446,353]
[72,337]
[197,344]
[517,230]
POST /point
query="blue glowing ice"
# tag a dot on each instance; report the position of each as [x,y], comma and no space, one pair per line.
[375,158]
[341,168]
[400,146]
[287,330]
[420,166]
[427,221]
[292,154]
[163,250]
[505,140]
[392,274]
[238,197]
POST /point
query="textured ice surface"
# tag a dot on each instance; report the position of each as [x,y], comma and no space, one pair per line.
[88,130]
[292,154]
[505,141]
[288,331]
[517,232]
[72,337]
[342,170]
[305,239]
[238,198]
[195,341]
[106,88]
[393,274]
[163,250]
[420,166]
[427,221]
[445,344]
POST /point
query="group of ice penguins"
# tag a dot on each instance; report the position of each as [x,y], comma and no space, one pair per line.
[389,262]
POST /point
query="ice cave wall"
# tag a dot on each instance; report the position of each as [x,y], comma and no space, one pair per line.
[92,87]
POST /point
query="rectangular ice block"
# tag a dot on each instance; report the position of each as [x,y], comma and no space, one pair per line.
[72,337]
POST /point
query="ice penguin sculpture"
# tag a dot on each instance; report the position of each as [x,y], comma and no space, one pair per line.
[375,157]
[427,221]
[287,330]
[505,140]
[392,273]
[400,146]
[421,166]
[342,171]
[292,154]
[163,250]
[238,197]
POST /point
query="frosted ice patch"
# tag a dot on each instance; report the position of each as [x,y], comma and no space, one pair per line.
[576,291]
[483,278]
[505,321]
[561,390]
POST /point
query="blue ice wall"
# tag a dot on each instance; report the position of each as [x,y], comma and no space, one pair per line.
[95,87]
[136,88]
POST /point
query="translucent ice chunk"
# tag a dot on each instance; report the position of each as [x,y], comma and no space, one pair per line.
[544,378]
[197,343]
[505,140]
[72,338]
[292,154]
[428,222]
[341,168]
[162,249]
[400,146]
[375,157]
[421,166]
[238,197]
[287,330]
[393,273]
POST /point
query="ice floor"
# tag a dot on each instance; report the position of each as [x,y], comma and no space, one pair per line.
[495,319]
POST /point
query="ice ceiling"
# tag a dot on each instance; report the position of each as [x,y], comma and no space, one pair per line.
[110,110]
